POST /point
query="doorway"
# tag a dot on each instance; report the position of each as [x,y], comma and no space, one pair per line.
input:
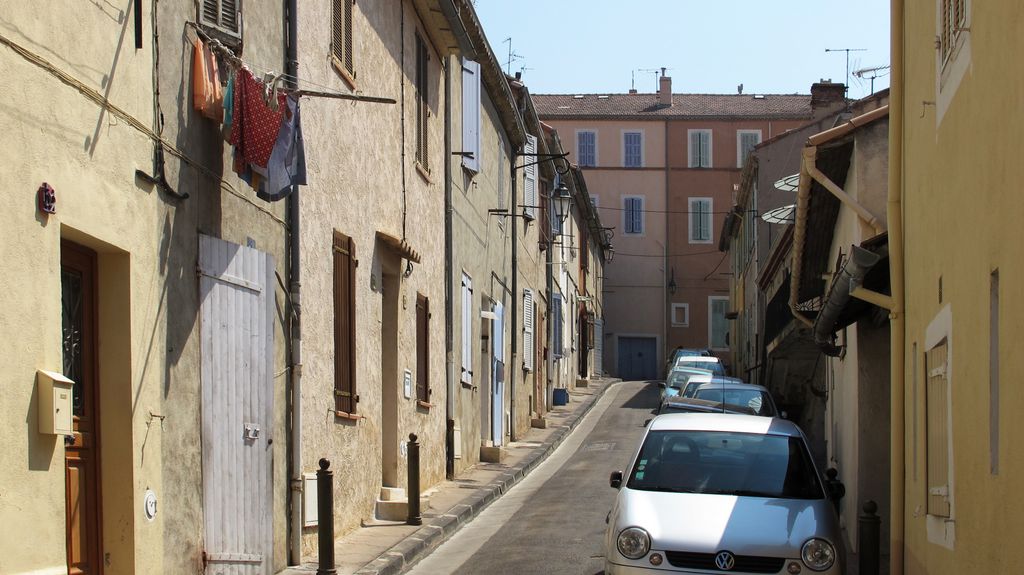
[638,358]
[390,288]
[82,450]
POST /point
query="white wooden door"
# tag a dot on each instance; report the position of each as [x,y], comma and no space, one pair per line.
[237,337]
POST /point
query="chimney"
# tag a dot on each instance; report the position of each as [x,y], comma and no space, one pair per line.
[664,89]
[632,90]
[826,93]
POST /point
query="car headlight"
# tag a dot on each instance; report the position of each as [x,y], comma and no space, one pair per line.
[633,542]
[818,554]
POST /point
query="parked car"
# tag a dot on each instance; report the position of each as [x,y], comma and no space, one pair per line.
[677,380]
[708,362]
[720,492]
[724,397]
[683,351]
[698,380]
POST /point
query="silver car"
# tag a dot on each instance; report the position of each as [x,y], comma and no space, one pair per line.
[720,493]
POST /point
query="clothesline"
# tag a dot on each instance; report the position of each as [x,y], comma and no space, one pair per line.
[233,60]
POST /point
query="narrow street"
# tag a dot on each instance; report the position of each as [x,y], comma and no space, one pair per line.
[554,520]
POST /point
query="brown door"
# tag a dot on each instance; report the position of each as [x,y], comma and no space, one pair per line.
[81,452]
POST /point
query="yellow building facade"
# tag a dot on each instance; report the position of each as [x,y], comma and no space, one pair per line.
[954,149]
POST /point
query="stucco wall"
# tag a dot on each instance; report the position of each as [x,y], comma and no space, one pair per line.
[363,179]
[963,214]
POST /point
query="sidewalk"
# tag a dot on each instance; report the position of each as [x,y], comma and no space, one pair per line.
[388,548]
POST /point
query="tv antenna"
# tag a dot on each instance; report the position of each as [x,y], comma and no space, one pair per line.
[871,73]
[512,56]
[846,91]
[654,71]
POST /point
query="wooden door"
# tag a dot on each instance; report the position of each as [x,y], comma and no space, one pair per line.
[81,451]
[237,339]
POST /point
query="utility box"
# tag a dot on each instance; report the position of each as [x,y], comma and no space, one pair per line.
[55,403]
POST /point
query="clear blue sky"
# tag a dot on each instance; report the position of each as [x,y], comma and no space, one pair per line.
[709,46]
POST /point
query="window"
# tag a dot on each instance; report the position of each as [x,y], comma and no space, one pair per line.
[341,38]
[467,330]
[700,148]
[528,342]
[745,142]
[937,430]
[633,215]
[422,102]
[345,397]
[700,220]
[953,50]
[422,348]
[530,178]
[718,326]
[223,16]
[471,115]
[586,148]
[632,149]
[680,315]
[954,21]
[556,325]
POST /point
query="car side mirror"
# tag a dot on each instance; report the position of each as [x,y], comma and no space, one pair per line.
[661,385]
[783,415]
[615,479]
[647,422]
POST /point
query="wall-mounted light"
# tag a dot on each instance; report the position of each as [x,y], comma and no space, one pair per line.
[672,283]
[562,202]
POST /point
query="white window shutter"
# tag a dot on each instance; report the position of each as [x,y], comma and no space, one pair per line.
[694,149]
[530,177]
[467,330]
[528,344]
[471,114]
[705,150]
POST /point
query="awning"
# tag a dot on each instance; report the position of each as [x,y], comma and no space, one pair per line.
[402,247]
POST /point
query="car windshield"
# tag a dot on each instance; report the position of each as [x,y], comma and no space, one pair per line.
[726,463]
[677,379]
[748,401]
[712,366]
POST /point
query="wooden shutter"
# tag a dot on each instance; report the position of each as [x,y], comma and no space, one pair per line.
[634,215]
[471,114]
[422,100]
[705,149]
[937,430]
[530,178]
[341,34]
[467,330]
[222,15]
[528,340]
[632,149]
[556,317]
[544,230]
[345,263]
[586,144]
[584,250]
[422,348]
[694,149]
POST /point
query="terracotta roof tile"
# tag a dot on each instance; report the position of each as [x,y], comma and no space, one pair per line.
[594,106]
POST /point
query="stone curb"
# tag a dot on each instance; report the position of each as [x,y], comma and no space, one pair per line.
[414,547]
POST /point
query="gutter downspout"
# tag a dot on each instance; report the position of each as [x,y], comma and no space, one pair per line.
[449,314]
[894,215]
[849,278]
[516,151]
[665,265]
[294,296]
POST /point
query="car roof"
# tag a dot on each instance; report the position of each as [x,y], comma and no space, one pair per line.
[699,358]
[691,351]
[724,422]
[709,378]
[713,384]
[692,370]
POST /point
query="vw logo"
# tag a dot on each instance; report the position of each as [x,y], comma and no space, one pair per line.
[725,561]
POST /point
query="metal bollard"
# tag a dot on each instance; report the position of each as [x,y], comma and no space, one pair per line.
[868,533]
[325,519]
[414,482]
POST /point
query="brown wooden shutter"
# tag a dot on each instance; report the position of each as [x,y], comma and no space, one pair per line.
[544,232]
[341,34]
[345,263]
[422,348]
[421,101]
[937,430]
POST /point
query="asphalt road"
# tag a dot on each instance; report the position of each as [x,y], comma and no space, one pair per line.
[553,521]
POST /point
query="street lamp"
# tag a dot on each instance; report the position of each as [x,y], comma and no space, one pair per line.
[562,203]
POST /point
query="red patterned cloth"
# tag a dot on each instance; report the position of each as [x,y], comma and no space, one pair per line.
[255,125]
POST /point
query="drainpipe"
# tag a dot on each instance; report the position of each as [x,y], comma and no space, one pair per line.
[294,296]
[851,276]
[894,214]
[449,314]
[516,151]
